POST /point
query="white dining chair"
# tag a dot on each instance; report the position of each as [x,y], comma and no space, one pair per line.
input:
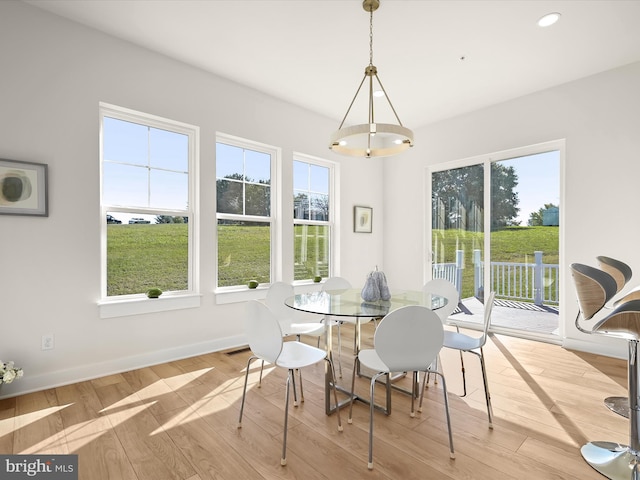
[266,342]
[471,344]
[446,289]
[290,323]
[407,339]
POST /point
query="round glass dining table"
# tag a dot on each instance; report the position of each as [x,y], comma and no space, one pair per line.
[349,303]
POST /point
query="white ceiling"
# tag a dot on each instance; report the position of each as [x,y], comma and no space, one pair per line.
[313,53]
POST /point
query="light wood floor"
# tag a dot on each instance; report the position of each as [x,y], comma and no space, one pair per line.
[178,421]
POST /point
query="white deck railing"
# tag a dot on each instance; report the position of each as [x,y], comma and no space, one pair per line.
[535,282]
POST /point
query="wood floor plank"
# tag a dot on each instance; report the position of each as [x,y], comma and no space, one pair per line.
[7,424]
[152,453]
[89,433]
[153,391]
[206,451]
[38,424]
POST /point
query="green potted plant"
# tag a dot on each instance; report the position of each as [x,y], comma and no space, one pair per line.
[154,292]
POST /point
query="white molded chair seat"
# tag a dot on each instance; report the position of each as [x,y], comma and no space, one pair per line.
[461,341]
[407,339]
[288,318]
[266,342]
[299,355]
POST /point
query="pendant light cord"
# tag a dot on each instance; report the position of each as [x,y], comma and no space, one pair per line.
[371,36]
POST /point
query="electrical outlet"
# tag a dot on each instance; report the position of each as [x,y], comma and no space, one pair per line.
[47,341]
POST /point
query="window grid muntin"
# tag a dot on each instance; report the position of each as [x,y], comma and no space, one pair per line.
[248,155]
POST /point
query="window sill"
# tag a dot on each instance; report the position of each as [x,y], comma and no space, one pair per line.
[227,295]
[235,295]
[138,305]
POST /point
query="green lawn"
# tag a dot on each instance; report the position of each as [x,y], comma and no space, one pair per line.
[156,255]
[144,256]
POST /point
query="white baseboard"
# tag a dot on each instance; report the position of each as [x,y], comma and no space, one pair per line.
[29,384]
[615,348]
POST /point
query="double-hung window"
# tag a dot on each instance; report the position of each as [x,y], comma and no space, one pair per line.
[313,203]
[245,187]
[148,173]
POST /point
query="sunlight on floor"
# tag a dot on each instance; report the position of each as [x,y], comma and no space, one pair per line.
[26,419]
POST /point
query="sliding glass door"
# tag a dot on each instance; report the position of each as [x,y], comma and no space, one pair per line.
[495,225]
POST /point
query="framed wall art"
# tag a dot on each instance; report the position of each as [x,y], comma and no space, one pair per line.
[23,188]
[362,219]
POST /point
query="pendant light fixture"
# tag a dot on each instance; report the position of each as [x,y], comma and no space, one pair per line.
[371,139]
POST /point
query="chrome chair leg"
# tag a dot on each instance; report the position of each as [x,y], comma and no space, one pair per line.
[446,409]
[426,378]
[244,390]
[301,388]
[283,460]
[487,395]
[295,390]
[335,391]
[415,379]
[464,377]
[353,386]
[427,374]
[372,388]
[339,349]
[261,369]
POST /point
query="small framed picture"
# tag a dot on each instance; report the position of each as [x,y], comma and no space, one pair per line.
[362,219]
[23,188]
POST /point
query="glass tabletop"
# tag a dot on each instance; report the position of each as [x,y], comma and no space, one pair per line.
[349,303]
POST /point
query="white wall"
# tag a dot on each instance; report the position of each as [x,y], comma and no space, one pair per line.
[53,75]
[599,117]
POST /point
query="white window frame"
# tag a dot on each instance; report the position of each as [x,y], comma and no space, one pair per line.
[138,303]
[239,292]
[332,222]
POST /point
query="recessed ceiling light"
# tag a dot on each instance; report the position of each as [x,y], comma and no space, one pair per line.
[378,93]
[549,19]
